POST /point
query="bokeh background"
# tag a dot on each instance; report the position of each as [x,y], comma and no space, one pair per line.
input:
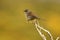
[13,24]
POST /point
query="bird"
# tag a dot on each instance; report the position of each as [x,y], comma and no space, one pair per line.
[29,15]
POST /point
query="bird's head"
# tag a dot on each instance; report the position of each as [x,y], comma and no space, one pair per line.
[26,10]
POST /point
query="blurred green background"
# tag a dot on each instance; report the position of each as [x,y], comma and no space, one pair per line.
[13,24]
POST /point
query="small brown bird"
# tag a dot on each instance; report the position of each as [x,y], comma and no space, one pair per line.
[29,15]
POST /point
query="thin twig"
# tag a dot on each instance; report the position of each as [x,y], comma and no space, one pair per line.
[37,23]
[39,31]
[57,38]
